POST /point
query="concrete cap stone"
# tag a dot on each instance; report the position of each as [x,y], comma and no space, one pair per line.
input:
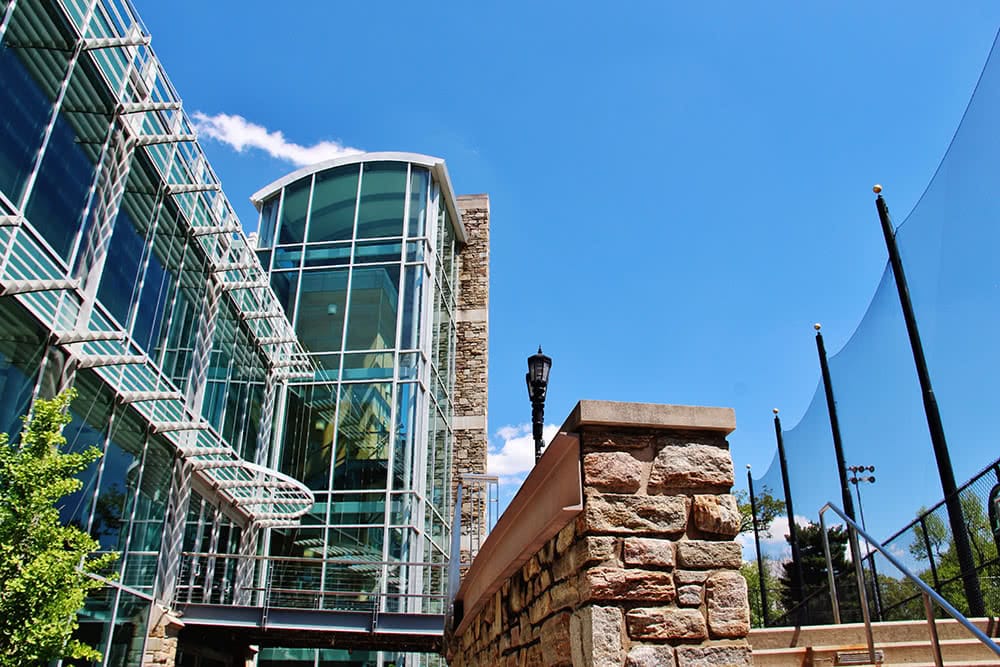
[650,415]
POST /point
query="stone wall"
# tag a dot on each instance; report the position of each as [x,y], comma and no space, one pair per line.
[161,644]
[472,344]
[648,572]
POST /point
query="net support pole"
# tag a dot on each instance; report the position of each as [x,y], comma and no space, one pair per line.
[963,548]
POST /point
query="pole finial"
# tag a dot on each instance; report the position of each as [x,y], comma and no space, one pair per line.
[748,466]
[539,349]
[817,326]
[775,410]
[877,189]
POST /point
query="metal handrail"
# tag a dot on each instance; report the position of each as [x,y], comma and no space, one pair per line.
[929,593]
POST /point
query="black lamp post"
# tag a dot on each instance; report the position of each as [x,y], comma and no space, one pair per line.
[537,379]
[970,580]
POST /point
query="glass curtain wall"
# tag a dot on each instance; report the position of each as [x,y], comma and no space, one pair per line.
[363,258]
[58,129]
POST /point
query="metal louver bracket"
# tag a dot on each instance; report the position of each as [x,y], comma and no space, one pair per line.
[205,451]
[276,340]
[289,363]
[182,188]
[208,230]
[233,266]
[141,107]
[210,464]
[167,427]
[140,396]
[272,500]
[11,220]
[85,336]
[245,284]
[153,139]
[293,376]
[262,314]
[92,43]
[248,484]
[96,360]
[9,287]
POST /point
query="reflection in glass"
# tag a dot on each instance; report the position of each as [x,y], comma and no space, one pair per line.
[363,437]
[419,180]
[322,304]
[383,191]
[328,255]
[293,213]
[334,195]
[374,294]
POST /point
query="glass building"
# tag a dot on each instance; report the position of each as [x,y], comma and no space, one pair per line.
[277,416]
[362,253]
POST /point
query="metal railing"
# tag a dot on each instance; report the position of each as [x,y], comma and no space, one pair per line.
[928,594]
[332,584]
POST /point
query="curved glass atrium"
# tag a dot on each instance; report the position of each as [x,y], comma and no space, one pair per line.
[357,250]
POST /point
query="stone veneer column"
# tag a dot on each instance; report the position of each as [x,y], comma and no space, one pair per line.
[472,345]
[648,573]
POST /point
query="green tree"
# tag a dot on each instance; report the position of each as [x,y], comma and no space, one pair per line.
[752,575]
[768,508]
[945,554]
[43,564]
[816,587]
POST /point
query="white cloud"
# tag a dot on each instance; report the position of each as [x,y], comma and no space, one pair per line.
[515,457]
[241,134]
[772,542]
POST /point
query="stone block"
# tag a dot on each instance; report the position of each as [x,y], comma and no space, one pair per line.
[682,577]
[617,472]
[650,656]
[718,515]
[630,515]
[566,594]
[690,595]
[555,642]
[705,555]
[648,552]
[596,636]
[714,656]
[728,608]
[690,467]
[611,583]
[665,624]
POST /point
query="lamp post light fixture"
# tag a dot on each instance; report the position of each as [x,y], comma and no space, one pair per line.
[537,379]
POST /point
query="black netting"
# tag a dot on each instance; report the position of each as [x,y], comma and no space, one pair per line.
[948,244]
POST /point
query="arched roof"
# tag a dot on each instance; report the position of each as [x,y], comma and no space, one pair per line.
[434,164]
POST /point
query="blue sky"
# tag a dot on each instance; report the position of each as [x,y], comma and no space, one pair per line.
[678,191]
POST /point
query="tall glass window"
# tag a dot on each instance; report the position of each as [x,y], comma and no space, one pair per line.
[383,197]
[333,205]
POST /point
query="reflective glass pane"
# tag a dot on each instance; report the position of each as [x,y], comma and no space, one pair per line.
[328,255]
[22,124]
[357,508]
[419,180]
[413,289]
[368,366]
[383,191]
[293,213]
[308,434]
[363,437]
[407,395]
[374,296]
[322,304]
[334,195]
[287,258]
[378,251]
[284,284]
[268,220]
